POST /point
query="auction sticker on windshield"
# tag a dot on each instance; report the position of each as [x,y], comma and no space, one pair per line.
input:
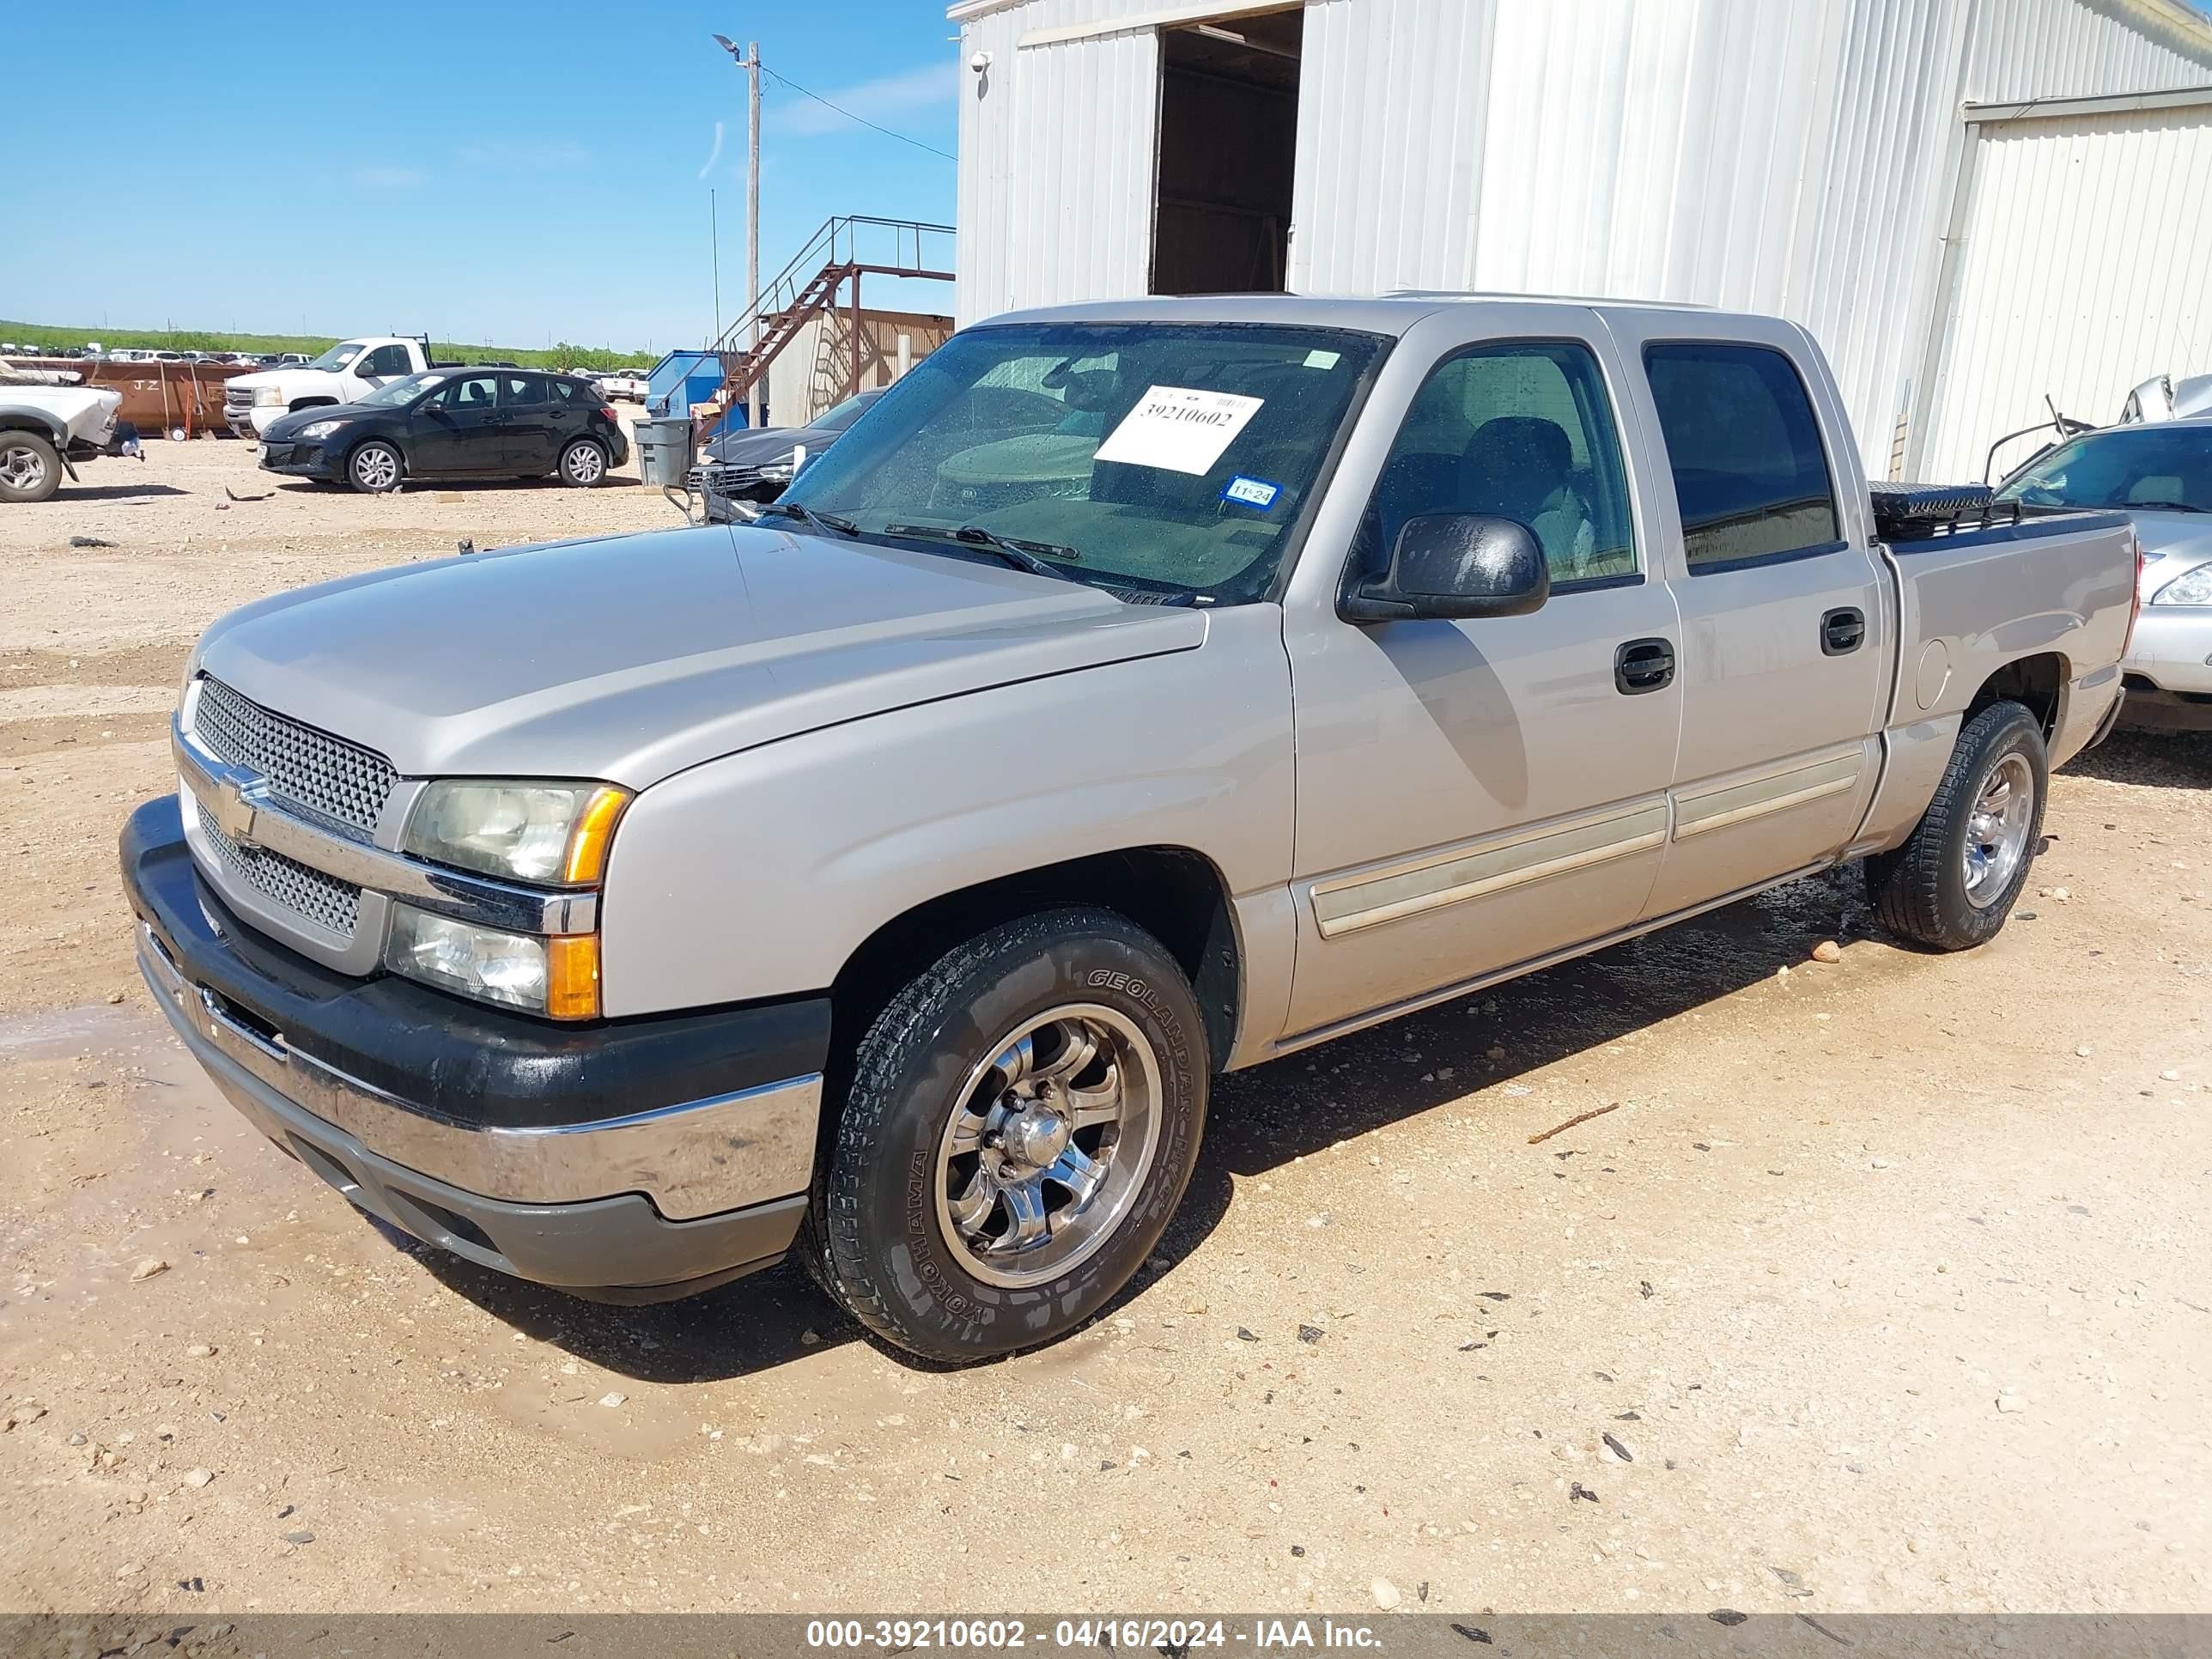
[1179,429]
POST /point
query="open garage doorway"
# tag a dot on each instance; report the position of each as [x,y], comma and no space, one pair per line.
[1228,148]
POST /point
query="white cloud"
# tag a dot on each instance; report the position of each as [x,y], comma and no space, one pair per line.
[715,155]
[928,87]
[382,178]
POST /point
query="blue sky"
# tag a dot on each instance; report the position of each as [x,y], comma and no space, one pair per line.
[480,170]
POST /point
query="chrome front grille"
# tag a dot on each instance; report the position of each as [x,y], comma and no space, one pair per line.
[328,776]
[236,400]
[331,904]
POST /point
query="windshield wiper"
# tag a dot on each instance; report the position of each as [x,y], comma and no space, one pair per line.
[2168,507]
[1022,555]
[808,516]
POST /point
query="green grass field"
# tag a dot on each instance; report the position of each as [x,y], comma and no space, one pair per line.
[158,339]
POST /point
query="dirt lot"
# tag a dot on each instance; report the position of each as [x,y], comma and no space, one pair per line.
[1882,1288]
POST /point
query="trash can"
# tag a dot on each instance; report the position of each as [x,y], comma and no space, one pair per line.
[664,452]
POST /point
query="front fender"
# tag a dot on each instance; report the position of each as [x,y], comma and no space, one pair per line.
[759,874]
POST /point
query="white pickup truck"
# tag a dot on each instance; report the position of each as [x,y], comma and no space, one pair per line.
[347,373]
[1136,692]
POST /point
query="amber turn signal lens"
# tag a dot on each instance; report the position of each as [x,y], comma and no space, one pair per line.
[572,976]
[589,841]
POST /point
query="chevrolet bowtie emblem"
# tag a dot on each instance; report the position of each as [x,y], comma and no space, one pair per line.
[235,806]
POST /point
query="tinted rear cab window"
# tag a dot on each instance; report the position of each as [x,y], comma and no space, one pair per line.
[1750,474]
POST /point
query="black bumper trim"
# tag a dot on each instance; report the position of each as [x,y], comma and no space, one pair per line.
[455,1060]
[617,1249]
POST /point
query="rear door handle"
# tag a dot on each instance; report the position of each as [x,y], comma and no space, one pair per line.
[1642,665]
[1842,631]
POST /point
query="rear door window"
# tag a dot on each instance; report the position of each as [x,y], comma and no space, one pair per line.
[521,390]
[1750,474]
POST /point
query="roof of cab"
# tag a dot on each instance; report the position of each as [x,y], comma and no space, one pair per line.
[1392,313]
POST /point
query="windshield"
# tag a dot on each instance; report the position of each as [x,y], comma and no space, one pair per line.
[338,356]
[2168,466]
[838,416]
[1153,455]
[404,390]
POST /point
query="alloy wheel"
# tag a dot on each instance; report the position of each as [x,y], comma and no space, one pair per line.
[1996,830]
[22,468]
[376,467]
[1049,1145]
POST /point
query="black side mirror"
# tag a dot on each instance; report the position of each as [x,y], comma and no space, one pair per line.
[1454,565]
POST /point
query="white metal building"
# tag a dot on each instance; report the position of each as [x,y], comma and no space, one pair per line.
[1972,202]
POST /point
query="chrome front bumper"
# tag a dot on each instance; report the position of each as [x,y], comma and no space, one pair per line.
[695,1160]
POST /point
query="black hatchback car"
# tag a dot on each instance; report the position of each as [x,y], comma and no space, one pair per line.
[475,422]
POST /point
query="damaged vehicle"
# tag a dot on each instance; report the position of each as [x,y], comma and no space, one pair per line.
[46,429]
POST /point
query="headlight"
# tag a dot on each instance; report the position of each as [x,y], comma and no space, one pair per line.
[266,396]
[532,832]
[559,976]
[539,833]
[781,470]
[2190,588]
[319,428]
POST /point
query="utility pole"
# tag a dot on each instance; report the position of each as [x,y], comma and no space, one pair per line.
[752,223]
[749,61]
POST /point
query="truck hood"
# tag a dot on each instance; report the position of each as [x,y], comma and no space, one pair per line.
[633,657]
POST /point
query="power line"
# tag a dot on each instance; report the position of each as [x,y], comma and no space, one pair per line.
[786,81]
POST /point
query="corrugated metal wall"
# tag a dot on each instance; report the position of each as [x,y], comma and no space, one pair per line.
[1056,146]
[2078,49]
[2053,202]
[1393,98]
[1796,156]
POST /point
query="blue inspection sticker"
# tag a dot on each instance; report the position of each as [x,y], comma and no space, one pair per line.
[1251,492]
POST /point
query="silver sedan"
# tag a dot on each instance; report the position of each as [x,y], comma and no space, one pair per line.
[2161,473]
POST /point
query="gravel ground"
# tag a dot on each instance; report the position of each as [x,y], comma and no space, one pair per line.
[1877,1285]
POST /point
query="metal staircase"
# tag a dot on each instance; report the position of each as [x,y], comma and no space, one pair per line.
[842,252]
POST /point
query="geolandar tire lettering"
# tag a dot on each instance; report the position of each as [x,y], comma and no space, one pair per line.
[1955,880]
[1022,1121]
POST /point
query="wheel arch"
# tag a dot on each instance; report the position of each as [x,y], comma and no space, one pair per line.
[37,422]
[1176,893]
[2037,681]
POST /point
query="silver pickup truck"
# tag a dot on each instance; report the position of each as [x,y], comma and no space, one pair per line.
[1137,692]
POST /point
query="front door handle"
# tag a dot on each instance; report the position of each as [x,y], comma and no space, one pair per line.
[1642,665]
[1842,631]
